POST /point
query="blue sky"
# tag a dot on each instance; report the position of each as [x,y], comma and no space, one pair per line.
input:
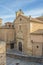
[8,8]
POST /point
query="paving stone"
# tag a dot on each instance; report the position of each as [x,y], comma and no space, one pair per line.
[13,61]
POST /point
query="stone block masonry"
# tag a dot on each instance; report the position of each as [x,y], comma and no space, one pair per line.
[2,53]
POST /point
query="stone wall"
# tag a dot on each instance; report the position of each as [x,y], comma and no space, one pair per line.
[35,26]
[2,53]
[7,35]
[37,44]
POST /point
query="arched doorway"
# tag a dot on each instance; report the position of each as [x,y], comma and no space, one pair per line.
[20,46]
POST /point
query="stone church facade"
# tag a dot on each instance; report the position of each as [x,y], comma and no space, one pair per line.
[22,34]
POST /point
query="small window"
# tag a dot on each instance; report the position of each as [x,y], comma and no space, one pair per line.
[37,46]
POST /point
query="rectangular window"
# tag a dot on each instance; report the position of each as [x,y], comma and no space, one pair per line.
[12,45]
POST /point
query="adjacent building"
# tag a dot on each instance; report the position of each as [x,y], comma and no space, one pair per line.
[37,42]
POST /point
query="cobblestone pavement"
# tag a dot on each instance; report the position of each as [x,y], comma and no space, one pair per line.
[13,61]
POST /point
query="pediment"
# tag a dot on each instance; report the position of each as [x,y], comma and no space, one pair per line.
[21,19]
